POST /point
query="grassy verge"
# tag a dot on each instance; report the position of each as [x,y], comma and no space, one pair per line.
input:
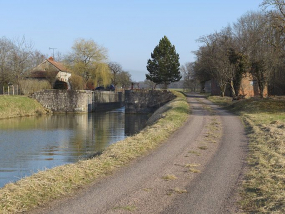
[264,186]
[19,106]
[45,186]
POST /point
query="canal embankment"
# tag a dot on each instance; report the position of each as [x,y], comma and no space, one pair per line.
[19,106]
[48,185]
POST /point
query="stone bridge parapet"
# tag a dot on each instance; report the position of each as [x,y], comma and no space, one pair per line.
[146,101]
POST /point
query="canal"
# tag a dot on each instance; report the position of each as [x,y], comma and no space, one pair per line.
[30,144]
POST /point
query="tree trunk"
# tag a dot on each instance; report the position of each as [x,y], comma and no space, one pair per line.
[233,89]
[223,89]
[261,90]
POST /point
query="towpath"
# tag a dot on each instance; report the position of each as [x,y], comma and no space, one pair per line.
[197,170]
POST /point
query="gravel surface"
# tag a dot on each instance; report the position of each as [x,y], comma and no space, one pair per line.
[197,170]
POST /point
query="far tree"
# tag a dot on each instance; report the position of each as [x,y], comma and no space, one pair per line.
[115,69]
[149,84]
[21,58]
[189,82]
[6,47]
[124,79]
[215,56]
[87,60]
[256,34]
[163,67]
[17,58]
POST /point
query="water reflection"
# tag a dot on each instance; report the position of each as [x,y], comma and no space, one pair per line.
[35,143]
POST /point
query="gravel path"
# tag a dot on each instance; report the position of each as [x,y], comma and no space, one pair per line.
[197,170]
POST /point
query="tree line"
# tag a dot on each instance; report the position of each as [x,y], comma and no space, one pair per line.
[253,44]
[87,61]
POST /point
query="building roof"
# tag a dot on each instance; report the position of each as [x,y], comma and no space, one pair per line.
[58,65]
[48,67]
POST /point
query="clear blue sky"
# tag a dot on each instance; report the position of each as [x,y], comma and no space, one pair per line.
[129,29]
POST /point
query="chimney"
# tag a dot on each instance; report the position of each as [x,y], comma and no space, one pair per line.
[51,58]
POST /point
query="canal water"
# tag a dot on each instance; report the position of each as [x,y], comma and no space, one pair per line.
[30,144]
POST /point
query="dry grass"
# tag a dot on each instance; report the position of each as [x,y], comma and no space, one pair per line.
[45,186]
[195,152]
[169,177]
[127,208]
[264,186]
[175,190]
[192,168]
[203,147]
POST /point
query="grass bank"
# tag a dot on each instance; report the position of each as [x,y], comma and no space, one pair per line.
[263,189]
[19,106]
[45,186]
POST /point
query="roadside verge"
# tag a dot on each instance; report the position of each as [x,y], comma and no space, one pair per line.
[263,187]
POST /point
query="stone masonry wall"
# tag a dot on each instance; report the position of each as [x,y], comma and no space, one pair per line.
[77,100]
[146,101]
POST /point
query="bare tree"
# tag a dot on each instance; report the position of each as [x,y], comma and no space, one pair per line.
[275,11]
[254,32]
[6,47]
[215,55]
[150,84]
[115,69]
[279,5]
[124,79]
[188,74]
[21,58]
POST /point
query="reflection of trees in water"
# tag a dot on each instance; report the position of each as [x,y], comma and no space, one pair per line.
[73,135]
[108,128]
[33,143]
[134,123]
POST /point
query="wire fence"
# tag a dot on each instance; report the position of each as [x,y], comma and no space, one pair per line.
[9,90]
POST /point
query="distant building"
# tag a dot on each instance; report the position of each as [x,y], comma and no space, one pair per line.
[53,72]
[248,87]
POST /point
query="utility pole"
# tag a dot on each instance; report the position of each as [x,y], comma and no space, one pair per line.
[52,51]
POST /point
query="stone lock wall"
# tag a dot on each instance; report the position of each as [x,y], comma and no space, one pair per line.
[146,101]
[104,100]
[141,101]
[78,100]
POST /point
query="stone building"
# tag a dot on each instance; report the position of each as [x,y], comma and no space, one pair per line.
[248,87]
[53,72]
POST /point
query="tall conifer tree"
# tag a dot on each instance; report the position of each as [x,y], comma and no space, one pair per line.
[164,64]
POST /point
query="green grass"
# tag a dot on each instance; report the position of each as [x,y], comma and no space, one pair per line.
[19,106]
[48,185]
[263,189]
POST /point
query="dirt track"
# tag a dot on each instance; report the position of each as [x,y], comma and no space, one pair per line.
[196,171]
